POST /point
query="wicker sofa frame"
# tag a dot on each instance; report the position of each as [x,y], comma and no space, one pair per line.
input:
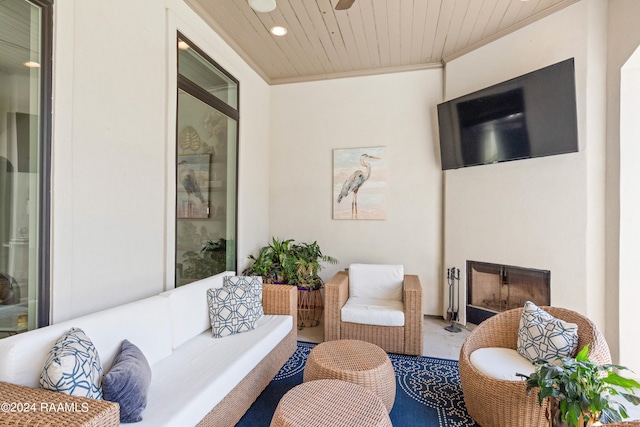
[407,339]
[27,406]
[499,403]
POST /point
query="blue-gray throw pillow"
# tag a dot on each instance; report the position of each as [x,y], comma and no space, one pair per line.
[127,382]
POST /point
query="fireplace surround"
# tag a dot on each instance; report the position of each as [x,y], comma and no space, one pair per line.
[493,288]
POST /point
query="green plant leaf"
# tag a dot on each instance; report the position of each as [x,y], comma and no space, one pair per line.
[618,380]
[631,398]
[573,412]
[610,415]
[583,355]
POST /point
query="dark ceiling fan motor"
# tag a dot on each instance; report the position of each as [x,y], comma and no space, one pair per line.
[344,4]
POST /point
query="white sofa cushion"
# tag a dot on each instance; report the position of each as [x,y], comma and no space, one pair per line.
[542,336]
[501,363]
[376,281]
[202,371]
[188,308]
[144,322]
[369,311]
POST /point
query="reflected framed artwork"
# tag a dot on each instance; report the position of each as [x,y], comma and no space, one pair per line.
[193,186]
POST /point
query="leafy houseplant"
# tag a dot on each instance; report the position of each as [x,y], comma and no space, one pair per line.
[298,264]
[283,261]
[269,262]
[210,260]
[302,265]
[581,391]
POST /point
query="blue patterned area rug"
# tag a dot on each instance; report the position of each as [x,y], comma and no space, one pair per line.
[428,392]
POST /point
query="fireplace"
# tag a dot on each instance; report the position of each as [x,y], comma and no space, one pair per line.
[493,288]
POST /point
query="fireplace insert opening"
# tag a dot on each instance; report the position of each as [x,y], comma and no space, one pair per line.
[493,288]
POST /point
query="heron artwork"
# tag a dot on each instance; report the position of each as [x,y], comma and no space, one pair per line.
[187,177]
[355,181]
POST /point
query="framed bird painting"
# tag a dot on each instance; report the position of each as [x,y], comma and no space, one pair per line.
[359,183]
[193,186]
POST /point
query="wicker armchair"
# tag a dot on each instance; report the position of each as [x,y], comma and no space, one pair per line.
[499,403]
[407,339]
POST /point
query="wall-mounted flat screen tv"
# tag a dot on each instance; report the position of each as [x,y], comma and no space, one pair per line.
[533,115]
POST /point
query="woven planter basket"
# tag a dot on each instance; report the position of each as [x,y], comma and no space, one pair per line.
[310,307]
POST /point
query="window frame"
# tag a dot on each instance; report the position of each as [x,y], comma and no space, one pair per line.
[188,86]
[44,180]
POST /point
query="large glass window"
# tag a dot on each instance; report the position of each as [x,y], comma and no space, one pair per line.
[25,110]
[206,153]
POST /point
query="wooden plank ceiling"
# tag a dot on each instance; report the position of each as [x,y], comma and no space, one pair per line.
[373,36]
[16,47]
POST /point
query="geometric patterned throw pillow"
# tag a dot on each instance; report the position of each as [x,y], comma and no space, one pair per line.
[73,366]
[542,336]
[256,284]
[232,310]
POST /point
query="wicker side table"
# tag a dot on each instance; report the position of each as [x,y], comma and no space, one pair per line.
[354,361]
[330,403]
[27,406]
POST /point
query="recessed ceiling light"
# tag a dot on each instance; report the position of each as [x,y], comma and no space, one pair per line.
[278,30]
[262,5]
[31,64]
[182,45]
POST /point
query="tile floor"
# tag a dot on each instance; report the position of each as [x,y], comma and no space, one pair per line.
[438,342]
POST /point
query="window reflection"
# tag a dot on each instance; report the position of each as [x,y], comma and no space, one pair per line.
[205,168]
[20,157]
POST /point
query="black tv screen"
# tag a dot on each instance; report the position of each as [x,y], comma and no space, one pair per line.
[533,115]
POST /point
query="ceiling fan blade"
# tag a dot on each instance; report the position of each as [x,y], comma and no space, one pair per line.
[344,4]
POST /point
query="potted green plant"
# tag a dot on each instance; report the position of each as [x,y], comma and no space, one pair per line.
[303,264]
[262,265]
[210,260]
[301,268]
[270,261]
[298,264]
[284,261]
[580,391]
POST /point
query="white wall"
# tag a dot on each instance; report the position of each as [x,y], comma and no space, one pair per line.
[629,210]
[113,136]
[113,149]
[545,213]
[396,111]
[624,39]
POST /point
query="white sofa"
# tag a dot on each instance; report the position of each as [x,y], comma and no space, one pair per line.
[195,377]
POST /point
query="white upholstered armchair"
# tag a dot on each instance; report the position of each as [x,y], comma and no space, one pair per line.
[378,304]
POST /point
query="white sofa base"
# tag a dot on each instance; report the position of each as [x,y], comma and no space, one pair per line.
[229,411]
[214,366]
[196,379]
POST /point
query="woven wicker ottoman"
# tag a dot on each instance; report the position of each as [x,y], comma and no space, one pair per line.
[354,361]
[330,403]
